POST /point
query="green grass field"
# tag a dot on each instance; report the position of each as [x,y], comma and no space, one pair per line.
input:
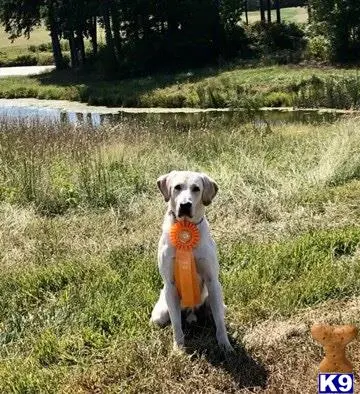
[80,217]
[291,14]
[18,53]
[38,36]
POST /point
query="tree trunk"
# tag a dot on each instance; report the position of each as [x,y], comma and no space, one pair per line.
[116,29]
[93,35]
[269,11]
[278,15]
[309,12]
[56,47]
[55,41]
[80,47]
[146,25]
[217,29]
[73,50]
[172,25]
[262,11]
[342,44]
[246,12]
[108,33]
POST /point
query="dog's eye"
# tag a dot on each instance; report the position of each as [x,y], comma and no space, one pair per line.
[177,187]
[196,189]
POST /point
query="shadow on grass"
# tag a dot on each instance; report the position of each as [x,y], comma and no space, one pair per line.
[200,340]
[151,80]
[97,89]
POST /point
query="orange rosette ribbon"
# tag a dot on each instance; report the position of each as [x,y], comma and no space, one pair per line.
[184,236]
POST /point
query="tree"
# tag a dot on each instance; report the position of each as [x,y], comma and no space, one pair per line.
[141,35]
[53,25]
[339,21]
[76,20]
[110,45]
[93,34]
[20,17]
[217,27]
[246,12]
[116,28]
[269,10]
[262,11]
[278,13]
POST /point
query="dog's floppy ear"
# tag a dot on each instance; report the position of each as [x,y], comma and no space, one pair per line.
[163,183]
[210,189]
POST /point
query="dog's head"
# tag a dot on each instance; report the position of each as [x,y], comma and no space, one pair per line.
[187,192]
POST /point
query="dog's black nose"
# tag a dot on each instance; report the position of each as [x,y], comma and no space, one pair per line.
[185,209]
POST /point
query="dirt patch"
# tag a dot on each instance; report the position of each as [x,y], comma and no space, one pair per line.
[288,352]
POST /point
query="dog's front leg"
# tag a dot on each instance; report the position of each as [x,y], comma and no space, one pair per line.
[166,267]
[208,266]
[173,303]
[215,299]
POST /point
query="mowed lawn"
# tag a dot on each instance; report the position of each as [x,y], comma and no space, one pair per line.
[290,15]
[80,217]
[37,36]
[16,52]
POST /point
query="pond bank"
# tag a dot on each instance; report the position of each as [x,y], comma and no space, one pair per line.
[24,71]
[277,86]
[73,106]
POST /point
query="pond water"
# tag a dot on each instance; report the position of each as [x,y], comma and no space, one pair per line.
[77,113]
[48,114]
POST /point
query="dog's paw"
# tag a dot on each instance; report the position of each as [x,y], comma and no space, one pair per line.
[178,348]
[227,348]
[224,344]
[179,342]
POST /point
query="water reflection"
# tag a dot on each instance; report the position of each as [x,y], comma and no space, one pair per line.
[181,120]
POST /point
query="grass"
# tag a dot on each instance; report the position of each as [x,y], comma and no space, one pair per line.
[12,57]
[80,218]
[17,53]
[290,14]
[238,87]
[38,36]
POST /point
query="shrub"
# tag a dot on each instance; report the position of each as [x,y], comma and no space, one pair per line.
[45,58]
[235,42]
[284,56]
[32,48]
[278,99]
[66,58]
[330,92]
[45,47]
[24,60]
[268,38]
[339,21]
[318,48]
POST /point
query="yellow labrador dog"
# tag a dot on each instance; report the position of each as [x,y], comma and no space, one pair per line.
[187,194]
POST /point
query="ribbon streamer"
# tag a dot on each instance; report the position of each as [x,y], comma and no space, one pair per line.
[184,236]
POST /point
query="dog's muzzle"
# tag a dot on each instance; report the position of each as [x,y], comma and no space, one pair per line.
[185,210]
